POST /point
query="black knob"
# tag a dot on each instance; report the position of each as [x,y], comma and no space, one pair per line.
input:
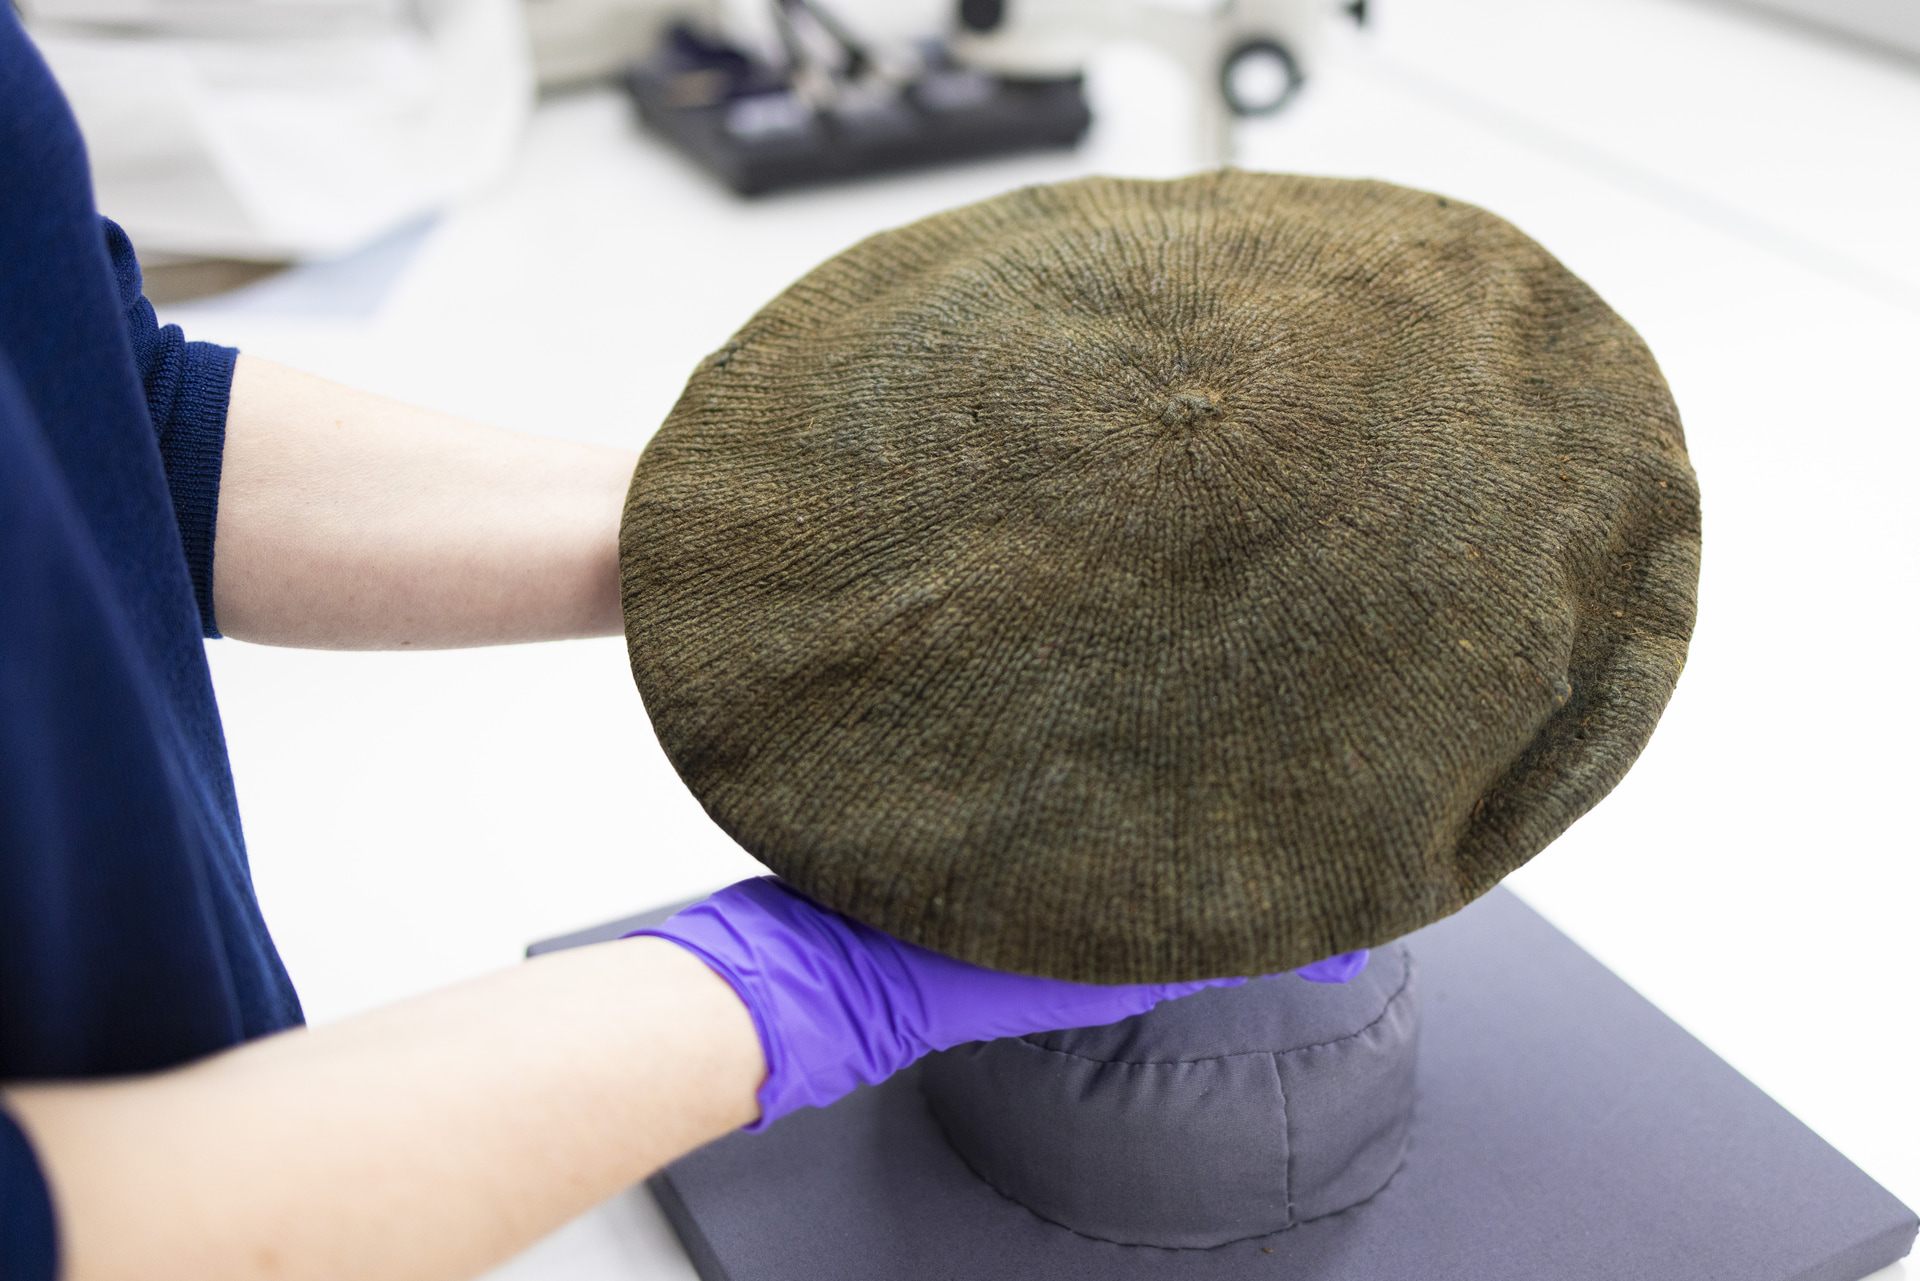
[982,15]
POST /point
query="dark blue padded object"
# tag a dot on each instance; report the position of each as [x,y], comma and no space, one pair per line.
[1560,1127]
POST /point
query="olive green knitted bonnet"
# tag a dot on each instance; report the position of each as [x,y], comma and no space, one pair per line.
[1132,581]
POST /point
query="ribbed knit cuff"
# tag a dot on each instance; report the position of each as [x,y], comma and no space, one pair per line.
[192,442]
[28,1244]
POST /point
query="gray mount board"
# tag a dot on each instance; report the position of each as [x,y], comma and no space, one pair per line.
[610,930]
[1563,1129]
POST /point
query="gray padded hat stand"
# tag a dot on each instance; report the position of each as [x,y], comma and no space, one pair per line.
[1486,1102]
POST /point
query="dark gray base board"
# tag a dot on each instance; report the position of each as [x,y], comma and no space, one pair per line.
[1564,1130]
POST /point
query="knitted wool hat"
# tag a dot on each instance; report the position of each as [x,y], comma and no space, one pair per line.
[1136,581]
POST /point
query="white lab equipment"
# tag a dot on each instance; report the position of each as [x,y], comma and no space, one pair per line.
[1245,57]
[286,129]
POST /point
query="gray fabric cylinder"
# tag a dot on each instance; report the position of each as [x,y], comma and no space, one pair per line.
[1231,1114]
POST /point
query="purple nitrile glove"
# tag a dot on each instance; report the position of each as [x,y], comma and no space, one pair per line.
[1342,967]
[838,1004]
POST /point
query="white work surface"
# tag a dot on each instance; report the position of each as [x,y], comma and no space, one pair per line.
[1744,193]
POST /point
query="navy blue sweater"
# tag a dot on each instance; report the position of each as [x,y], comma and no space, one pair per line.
[130,938]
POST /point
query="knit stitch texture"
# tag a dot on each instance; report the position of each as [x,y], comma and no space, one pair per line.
[1135,581]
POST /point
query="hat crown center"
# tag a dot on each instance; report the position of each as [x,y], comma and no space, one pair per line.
[1188,408]
[1232,1114]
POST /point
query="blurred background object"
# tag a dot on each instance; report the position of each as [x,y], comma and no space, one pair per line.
[829,102]
[287,130]
[1243,57]
[788,93]
[1893,25]
[260,131]
[576,42]
[264,131]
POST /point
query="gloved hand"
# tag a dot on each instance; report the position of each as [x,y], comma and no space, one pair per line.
[838,1004]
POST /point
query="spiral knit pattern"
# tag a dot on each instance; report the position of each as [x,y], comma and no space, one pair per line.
[1137,581]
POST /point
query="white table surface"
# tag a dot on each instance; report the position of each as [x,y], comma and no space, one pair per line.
[1746,195]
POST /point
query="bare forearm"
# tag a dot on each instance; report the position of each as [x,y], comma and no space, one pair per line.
[423,1142]
[348,520]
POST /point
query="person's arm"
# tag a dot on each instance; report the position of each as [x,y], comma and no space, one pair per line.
[429,1140]
[422,1142]
[348,520]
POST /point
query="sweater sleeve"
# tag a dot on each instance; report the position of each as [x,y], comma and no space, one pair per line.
[187,384]
[26,1209]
